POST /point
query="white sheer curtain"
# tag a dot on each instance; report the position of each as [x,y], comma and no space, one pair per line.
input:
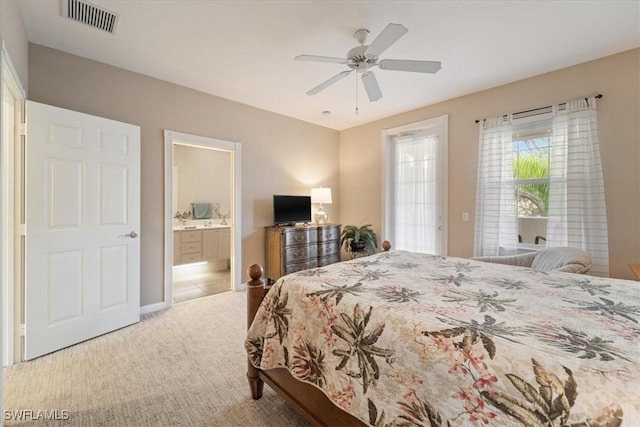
[577,215]
[415,197]
[496,209]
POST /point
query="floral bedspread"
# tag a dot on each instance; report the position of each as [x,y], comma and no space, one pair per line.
[400,338]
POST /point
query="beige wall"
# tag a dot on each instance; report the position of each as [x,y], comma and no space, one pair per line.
[280,155]
[14,37]
[616,77]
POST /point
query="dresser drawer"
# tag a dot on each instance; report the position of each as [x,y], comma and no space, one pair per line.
[292,268]
[328,233]
[190,236]
[328,248]
[295,254]
[299,237]
[190,248]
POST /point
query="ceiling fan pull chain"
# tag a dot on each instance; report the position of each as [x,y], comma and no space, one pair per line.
[356,73]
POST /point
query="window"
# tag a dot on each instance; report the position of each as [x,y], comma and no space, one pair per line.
[531,175]
[540,178]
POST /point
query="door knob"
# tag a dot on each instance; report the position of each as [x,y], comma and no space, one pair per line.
[133,235]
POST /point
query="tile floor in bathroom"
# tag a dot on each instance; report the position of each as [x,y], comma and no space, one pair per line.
[201,285]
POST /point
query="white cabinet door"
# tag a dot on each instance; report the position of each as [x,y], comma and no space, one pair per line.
[216,244]
[209,244]
[82,262]
[224,243]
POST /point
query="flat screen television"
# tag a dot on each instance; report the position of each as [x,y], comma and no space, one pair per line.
[291,209]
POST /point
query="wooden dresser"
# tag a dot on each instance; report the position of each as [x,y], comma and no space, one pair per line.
[294,248]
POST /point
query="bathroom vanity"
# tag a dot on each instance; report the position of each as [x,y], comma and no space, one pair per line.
[202,243]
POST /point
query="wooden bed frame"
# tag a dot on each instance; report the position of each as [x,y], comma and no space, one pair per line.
[305,398]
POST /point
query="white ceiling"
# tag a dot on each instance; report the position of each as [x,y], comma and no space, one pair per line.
[244,50]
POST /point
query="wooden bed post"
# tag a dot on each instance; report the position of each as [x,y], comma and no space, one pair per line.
[386,246]
[255,294]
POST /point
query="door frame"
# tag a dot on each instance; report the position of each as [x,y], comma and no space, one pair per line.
[235,150]
[11,216]
[441,125]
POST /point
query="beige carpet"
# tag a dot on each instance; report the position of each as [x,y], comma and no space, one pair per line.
[185,366]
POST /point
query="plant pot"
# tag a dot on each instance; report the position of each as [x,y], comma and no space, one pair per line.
[358,246]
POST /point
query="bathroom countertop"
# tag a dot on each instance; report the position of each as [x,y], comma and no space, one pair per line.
[199,227]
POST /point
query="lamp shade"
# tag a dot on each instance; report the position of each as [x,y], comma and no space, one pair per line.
[321,195]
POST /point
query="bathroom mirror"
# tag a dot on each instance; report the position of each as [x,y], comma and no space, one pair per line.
[201,178]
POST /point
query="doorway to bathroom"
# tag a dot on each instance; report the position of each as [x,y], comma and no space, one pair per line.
[202,189]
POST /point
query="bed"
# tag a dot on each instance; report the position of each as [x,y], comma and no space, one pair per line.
[401,338]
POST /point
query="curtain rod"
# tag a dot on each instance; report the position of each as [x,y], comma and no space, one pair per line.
[598,96]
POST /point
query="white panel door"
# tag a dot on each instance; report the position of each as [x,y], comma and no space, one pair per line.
[82,202]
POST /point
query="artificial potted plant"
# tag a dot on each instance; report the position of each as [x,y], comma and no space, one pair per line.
[358,239]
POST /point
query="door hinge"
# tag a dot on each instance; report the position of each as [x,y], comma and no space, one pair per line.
[22,229]
[22,129]
[23,330]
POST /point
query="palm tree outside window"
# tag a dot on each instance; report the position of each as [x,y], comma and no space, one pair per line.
[531,174]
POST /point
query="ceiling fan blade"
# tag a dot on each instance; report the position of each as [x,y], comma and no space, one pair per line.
[329,82]
[371,86]
[409,65]
[315,58]
[386,38]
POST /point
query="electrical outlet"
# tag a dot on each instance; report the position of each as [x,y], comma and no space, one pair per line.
[465,216]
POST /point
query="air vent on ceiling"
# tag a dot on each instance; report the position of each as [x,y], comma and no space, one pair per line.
[90,14]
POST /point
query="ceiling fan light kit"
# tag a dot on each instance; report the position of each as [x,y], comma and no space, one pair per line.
[364,57]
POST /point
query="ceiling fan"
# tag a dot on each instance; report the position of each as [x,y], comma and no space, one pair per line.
[364,57]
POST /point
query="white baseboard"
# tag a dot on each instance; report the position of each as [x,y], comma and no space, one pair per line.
[150,308]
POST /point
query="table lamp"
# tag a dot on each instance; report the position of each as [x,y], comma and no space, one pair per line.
[320,196]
